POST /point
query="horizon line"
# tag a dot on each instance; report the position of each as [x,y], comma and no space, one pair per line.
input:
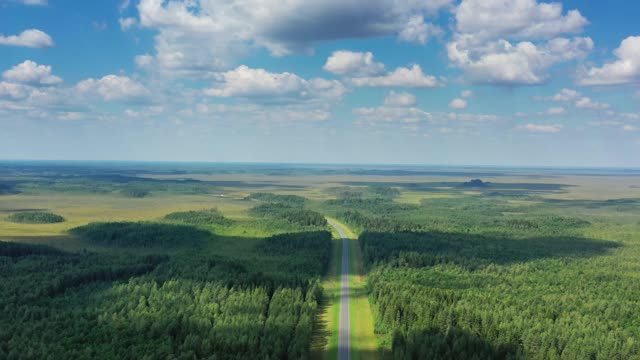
[488,166]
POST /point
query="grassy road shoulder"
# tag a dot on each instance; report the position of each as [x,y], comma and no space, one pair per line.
[364,344]
[325,342]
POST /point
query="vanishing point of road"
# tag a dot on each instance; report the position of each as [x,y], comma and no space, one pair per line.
[344,339]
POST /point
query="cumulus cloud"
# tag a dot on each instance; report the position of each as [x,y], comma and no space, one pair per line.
[587,103]
[259,84]
[114,88]
[13,91]
[580,101]
[458,104]
[514,42]
[566,95]
[412,77]
[419,31]
[195,36]
[466,94]
[32,38]
[503,63]
[518,19]
[624,70]
[399,99]
[541,128]
[30,73]
[351,63]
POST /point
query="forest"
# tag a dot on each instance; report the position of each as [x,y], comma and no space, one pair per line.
[198,217]
[235,262]
[286,208]
[35,217]
[484,277]
[180,305]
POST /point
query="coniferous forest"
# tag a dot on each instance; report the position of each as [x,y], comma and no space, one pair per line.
[224,269]
[493,278]
[183,305]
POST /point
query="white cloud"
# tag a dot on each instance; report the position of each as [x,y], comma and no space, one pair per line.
[466,94]
[539,128]
[34,2]
[516,19]
[399,99]
[514,42]
[458,104]
[127,23]
[32,38]
[586,103]
[556,110]
[374,116]
[624,70]
[419,31]
[503,63]
[566,95]
[114,88]
[30,73]
[35,101]
[618,121]
[13,91]
[260,84]
[144,61]
[401,77]
[580,101]
[351,63]
[203,36]
[247,82]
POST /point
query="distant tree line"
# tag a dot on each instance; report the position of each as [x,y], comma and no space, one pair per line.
[287,208]
[35,217]
[199,217]
[141,234]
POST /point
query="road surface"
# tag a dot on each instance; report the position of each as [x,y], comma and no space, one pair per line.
[344,339]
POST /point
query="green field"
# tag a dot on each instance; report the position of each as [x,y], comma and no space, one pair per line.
[186,261]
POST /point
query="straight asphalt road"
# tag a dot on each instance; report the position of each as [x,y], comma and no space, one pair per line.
[344,340]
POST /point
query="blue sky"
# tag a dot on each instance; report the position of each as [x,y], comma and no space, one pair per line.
[460,82]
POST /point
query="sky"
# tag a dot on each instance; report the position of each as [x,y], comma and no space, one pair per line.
[440,82]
